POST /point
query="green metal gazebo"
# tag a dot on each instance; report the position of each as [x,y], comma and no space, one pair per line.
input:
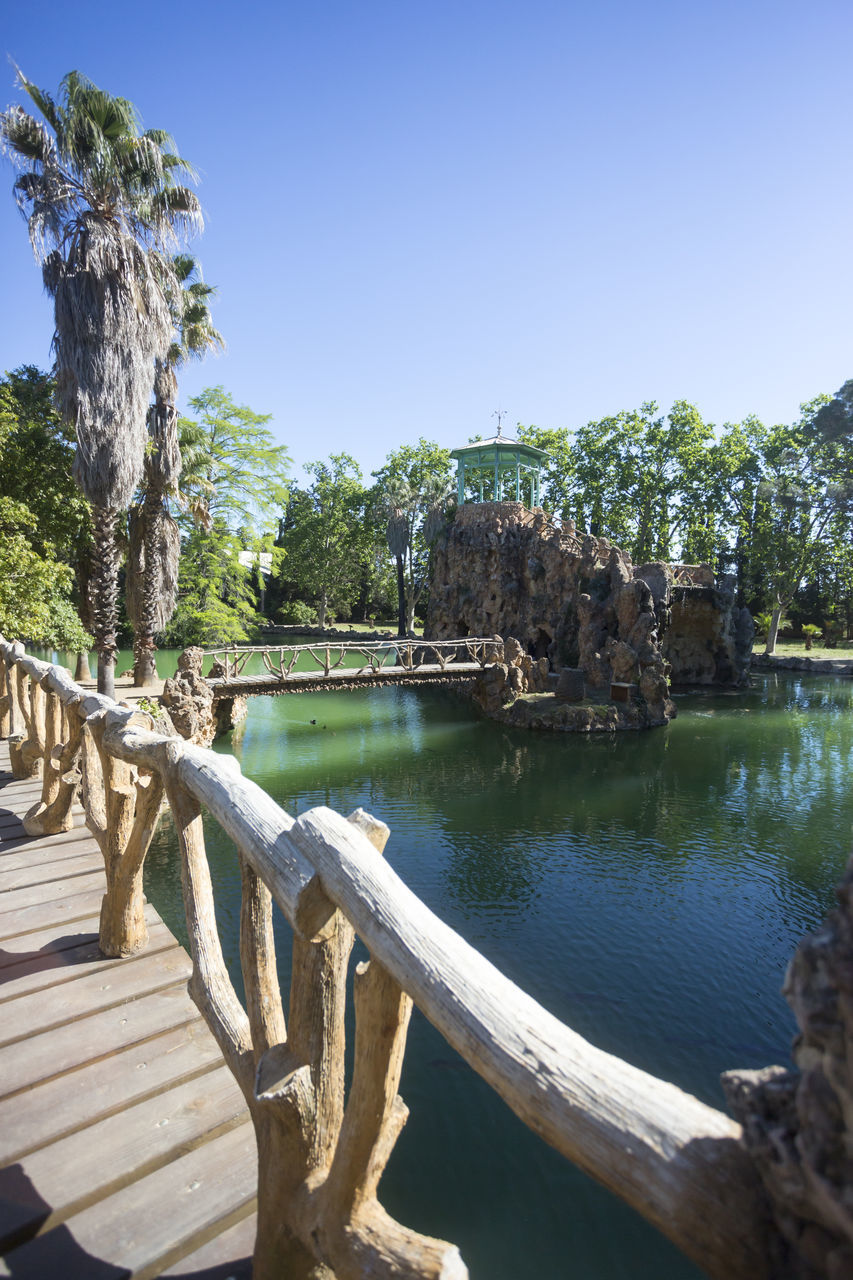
[492,464]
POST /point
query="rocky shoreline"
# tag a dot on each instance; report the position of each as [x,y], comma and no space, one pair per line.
[829,666]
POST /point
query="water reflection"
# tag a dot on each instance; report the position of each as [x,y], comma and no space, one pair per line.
[647,888]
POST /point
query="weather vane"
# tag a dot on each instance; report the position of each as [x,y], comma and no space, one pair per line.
[500,414]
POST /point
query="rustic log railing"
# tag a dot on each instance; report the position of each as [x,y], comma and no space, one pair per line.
[281,660]
[321,1149]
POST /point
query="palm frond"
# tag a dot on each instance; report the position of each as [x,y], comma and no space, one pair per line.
[25,138]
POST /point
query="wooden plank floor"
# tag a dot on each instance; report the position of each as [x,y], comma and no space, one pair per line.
[126,1149]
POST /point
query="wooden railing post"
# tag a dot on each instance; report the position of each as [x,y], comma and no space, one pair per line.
[122,807]
[60,771]
[319,1162]
[5,698]
[27,739]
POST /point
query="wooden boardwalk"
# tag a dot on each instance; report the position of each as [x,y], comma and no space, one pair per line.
[125,1145]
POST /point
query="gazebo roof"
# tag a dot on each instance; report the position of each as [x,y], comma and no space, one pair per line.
[498,444]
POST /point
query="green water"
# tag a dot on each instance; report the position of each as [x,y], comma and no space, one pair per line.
[648,889]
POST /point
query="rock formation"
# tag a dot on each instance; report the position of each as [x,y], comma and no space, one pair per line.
[707,639]
[188,699]
[798,1124]
[559,600]
[503,569]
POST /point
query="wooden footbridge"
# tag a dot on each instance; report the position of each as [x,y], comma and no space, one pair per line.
[154,1123]
[295,668]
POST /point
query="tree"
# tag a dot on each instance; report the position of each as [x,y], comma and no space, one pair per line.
[215,604]
[36,457]
[233,482]
[414,490]
[243,470]
[634,478]
[325,540]
[736,468]
[559,484]
[103,201]
[154,536]
[35,586]
[807,488]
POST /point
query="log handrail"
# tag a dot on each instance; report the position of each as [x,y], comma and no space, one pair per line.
[682,1164]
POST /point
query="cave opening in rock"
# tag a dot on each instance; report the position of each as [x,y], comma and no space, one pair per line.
[539,647]
[461,630]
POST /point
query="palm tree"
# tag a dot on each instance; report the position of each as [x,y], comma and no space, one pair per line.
[103,203]
[152,578]
[404,505]
[398,503]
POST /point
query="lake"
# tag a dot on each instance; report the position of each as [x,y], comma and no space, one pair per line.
[648,889]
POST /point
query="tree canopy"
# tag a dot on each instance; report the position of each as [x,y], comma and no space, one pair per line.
[244,473]
[326,540]
[45,527]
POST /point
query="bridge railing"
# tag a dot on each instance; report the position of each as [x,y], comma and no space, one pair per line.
[413,655]
[322,1149]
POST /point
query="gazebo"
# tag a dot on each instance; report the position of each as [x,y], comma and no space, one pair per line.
[497,465]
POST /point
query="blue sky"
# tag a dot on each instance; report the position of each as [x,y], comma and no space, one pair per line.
[418,213]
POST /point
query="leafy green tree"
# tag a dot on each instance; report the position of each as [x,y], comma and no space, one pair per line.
[808,488]
[558,470]
[242,470]
[35,586]
[736,463]
[215,597]
[232,483]
[102,199]
[414,491]
[326,542]
[36,456]
[152,567]
[637,479]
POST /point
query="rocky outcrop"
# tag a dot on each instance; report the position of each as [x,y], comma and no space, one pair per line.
[709,639]
[503,569]
[577,604]
[519,690]
[188,699]
[512,674]
[798,1125]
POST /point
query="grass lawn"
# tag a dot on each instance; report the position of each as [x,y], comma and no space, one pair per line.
[388,625]
[797,649]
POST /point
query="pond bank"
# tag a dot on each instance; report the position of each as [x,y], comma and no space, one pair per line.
[827,666]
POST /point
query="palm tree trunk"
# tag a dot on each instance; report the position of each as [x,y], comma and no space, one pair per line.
[104,596]
[144,665]
[162,469]
[401,598]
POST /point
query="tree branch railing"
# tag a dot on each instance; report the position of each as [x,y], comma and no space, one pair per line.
[321,1148]
[411,655]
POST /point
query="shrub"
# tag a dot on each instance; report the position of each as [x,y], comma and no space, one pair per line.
[296,613]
